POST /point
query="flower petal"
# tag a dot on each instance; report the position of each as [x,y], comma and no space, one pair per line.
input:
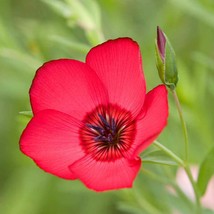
[101,176]
[118,64]
[68,86]
[51,140]
[153,118]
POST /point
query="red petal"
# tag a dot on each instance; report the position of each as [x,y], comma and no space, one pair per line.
[155,114]
[68,86]
[101,176]
[118,64]
[51,140]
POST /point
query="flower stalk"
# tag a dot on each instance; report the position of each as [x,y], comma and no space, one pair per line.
[186,163]
[167,69]
[186,167]
[195,189]
[184,128]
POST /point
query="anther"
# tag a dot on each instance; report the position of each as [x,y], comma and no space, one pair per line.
[96,128]
[104,121]
[113,126]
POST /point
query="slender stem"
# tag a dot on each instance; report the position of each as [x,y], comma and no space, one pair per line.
[187,170]
[184,128]
[195,189]
[186,165]
[170,153]
[168,181]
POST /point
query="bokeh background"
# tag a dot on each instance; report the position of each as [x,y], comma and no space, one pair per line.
[35,31]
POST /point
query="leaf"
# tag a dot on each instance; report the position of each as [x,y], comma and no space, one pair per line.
[94,10]
[26,113]
[14,54]
[127,208]
[71,44]
[206,171]
[84,17]
[195,9]
[158,157]
[60,7]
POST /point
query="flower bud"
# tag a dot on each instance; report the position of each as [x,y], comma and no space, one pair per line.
[165,60]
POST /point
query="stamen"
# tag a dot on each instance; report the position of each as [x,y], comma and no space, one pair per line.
[98,138]
[113,126]
[104,121]
[97,128]
[107,133]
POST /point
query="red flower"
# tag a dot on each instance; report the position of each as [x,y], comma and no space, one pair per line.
[91,120]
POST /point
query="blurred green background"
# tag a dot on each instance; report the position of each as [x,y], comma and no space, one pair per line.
[35,31]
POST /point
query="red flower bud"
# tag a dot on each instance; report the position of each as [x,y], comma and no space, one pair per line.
[165,60]
[161,42]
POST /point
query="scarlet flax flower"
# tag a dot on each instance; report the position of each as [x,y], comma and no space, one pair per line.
[91,120]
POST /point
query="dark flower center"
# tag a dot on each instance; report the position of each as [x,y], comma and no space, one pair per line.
[107,133]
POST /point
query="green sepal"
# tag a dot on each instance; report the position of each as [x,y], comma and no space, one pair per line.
[171,73]
[160,64]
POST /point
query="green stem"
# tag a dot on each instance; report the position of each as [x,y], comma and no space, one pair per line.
[187,170]
[195,188]
[170,153]
[184,128]
[186,165]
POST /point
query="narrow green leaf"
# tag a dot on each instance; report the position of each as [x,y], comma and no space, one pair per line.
[19,56]
[158,157]
[205,172]
[196,9]
[26,113]
[128,208]
[75,45]
[60,7]
[94,10]
[161,162]
[84,18]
